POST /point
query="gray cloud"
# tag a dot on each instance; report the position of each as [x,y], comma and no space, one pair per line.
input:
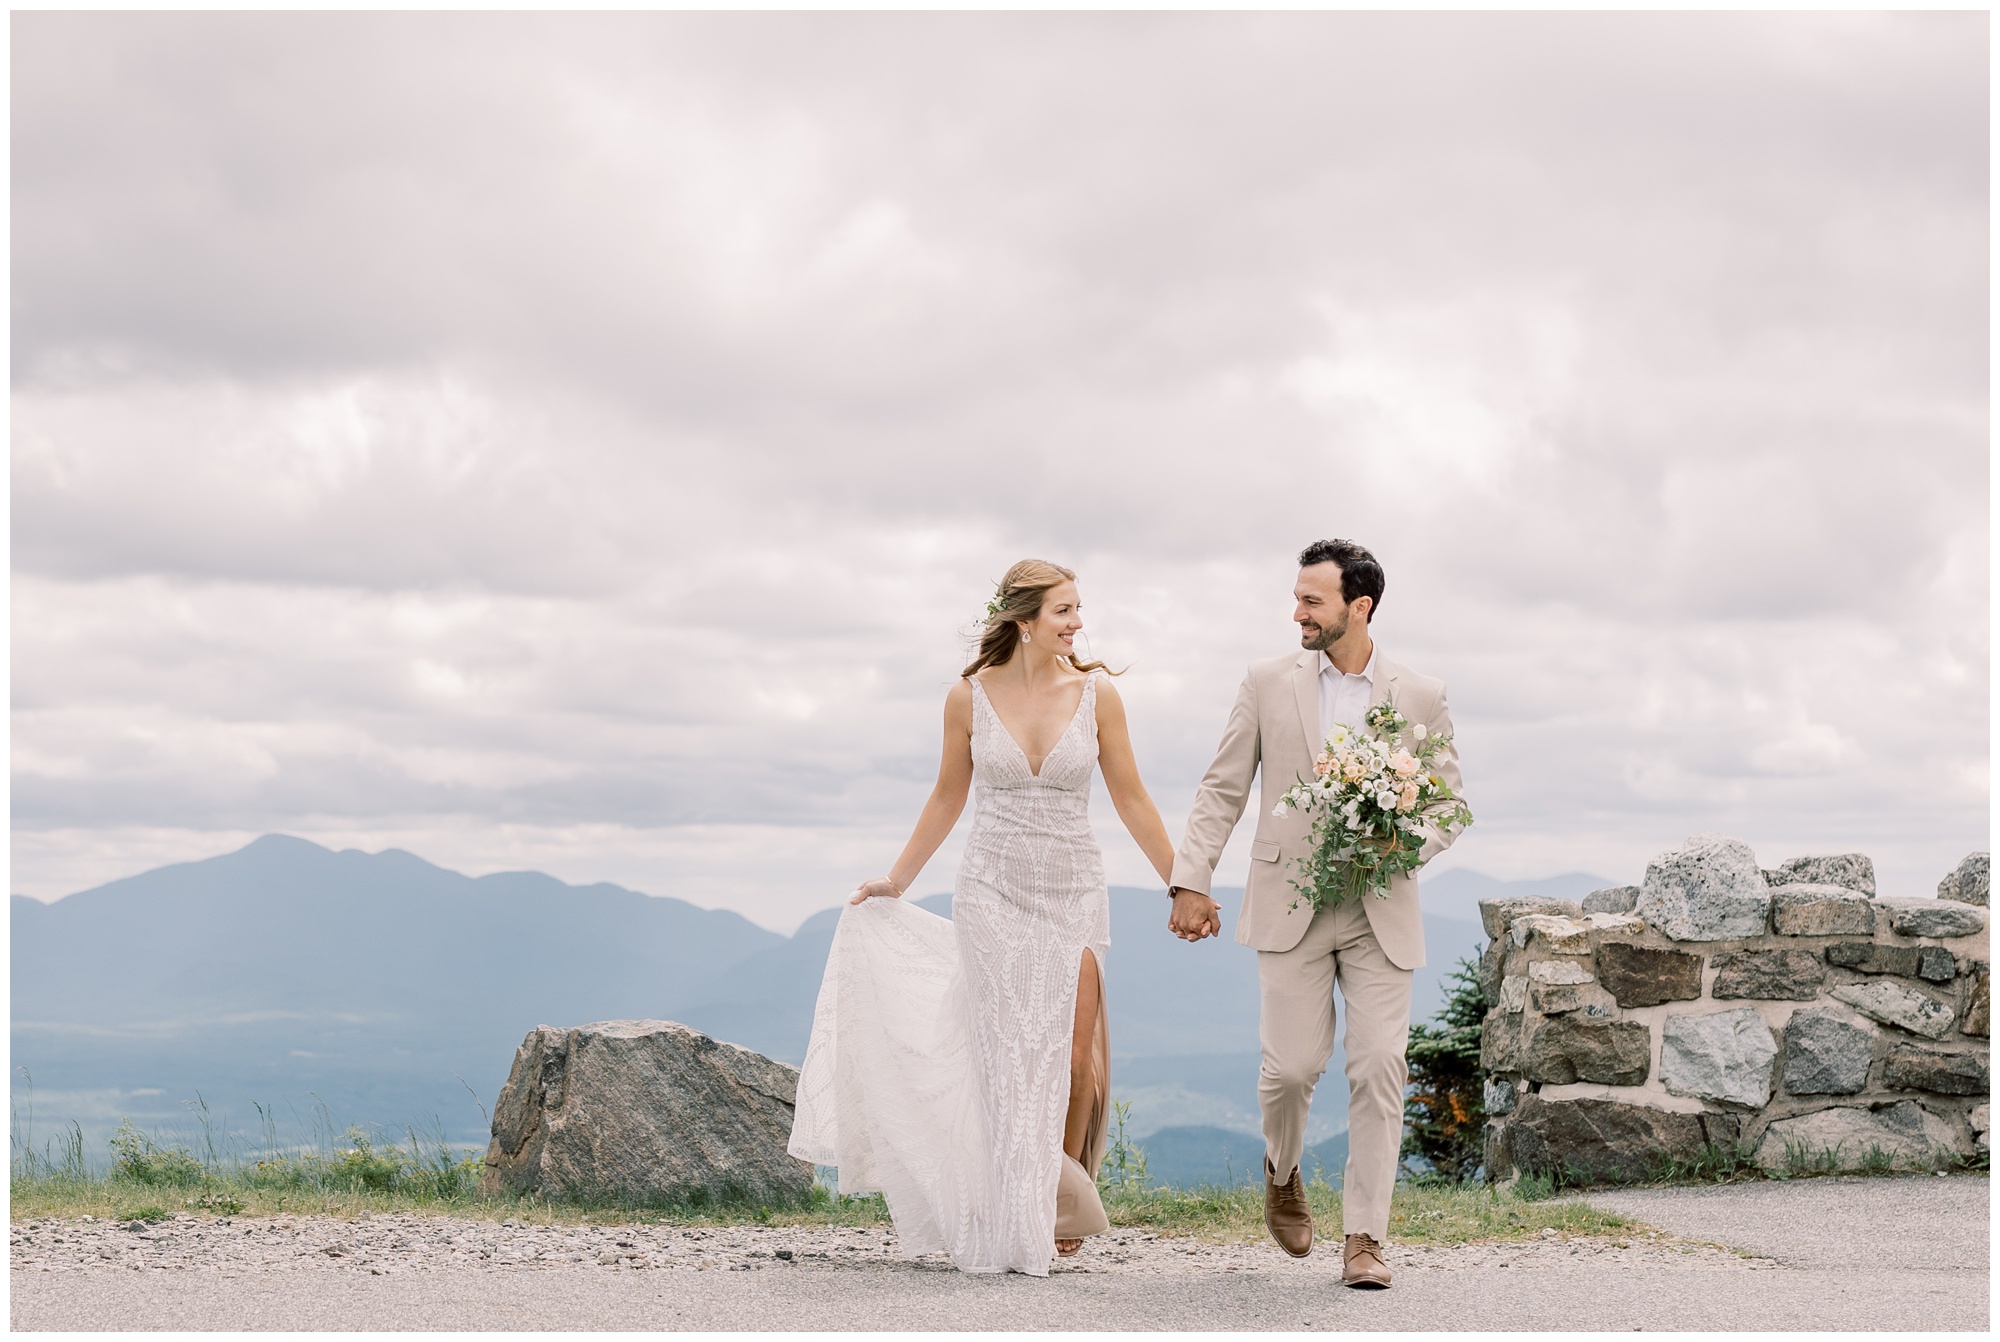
[578,440]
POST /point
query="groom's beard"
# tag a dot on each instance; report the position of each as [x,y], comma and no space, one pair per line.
[1325,638]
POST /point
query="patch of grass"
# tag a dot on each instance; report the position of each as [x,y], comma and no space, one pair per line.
[1418,1214]
[1431,1213]
[1713,1164]
[146,1212]
[110,1199]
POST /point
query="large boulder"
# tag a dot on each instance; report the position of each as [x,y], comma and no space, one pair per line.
[1894,1004]
[1643,976]
[1772,976]
[645,1112]
[1934,918]
[1826,1053]
[1708,889]
[1850,871]
[1821,911]
[1724,1056]
[1582,1047]
[1971,883]
[1604,1141]
[1905,1134]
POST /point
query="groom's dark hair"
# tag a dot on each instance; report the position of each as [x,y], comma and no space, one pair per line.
[1360,574]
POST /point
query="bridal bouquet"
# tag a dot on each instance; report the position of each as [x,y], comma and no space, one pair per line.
[1370,796]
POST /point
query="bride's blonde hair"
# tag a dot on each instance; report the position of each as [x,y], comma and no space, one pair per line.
[1017,602]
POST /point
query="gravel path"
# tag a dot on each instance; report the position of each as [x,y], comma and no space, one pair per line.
[413,1272]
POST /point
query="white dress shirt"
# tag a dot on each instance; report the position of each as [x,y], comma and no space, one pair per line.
[1342,697]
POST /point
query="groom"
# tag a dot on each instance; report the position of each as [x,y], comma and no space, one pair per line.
[1368,946]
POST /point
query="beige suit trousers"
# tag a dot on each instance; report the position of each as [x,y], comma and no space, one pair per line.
[1297,1035]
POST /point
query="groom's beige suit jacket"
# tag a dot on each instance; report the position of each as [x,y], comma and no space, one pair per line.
[1275,726]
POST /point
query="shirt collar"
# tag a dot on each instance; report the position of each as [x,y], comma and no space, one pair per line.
[1326,666]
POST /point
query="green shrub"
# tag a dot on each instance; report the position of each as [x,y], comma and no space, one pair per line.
[1445,1114]
[1125,1163]
[141,1160]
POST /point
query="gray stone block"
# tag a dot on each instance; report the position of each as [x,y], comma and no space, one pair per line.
[644,1111]
[1497,915]
[1981,1120]
[1514,992]
[1557,935]
[1578,1047]
[1975,1018]
[1936,964]
[1500,1040]
[1826,1054]
[1844,1139]
[1821,911]
[1934,918]
[1723,1056]
[1643,976]
[1708,889]
[1781,975]
[1501,1094]
[1850,871]
[1894,1004]
[1553,999]
[1612,899]
[1869,958]
[1599,1141]
[1497,1158]
[1492,968]
[1971,883]
[1914,1067]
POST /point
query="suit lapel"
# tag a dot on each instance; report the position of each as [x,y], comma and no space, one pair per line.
[1305,688]
[1385,682]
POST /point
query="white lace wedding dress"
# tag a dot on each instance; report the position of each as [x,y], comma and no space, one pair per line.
[939,1069]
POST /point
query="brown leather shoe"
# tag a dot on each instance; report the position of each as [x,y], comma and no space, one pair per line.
[1286,1213]
[1361,1264]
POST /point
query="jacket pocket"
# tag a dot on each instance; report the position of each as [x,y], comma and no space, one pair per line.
[1264,850]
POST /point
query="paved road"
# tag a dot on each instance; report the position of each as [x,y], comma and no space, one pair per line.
[1939,1225]
[1907,1254]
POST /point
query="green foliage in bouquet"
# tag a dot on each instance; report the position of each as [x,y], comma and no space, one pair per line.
[1373,796]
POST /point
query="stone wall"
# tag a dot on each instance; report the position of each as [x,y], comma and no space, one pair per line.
[1789,1014]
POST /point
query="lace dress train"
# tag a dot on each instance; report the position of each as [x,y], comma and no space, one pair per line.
[939,1068]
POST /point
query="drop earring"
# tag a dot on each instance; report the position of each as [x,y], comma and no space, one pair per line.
[1027,637]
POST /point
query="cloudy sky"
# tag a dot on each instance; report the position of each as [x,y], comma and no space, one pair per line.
[581,443]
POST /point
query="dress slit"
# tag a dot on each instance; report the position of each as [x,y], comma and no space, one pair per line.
[1079,1209]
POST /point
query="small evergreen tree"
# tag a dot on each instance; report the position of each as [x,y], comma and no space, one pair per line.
[1445,1113]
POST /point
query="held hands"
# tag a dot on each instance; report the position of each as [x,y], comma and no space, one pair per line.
[1194,915]
[879,888]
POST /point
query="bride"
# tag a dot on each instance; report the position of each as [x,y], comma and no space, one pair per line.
[961,1067]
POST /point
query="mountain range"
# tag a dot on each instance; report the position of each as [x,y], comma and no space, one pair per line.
[393,991]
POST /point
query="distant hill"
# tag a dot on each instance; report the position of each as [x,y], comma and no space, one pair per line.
[1189,1157]
[394,991]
